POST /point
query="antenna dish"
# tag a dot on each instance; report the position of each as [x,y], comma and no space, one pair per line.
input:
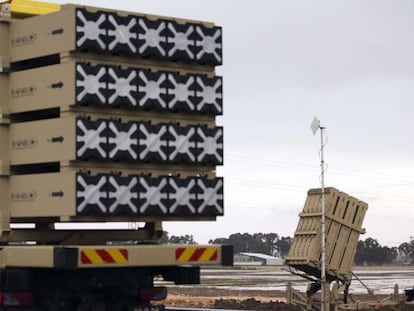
[316,124]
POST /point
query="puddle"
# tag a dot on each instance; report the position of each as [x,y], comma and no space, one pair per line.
[267,279]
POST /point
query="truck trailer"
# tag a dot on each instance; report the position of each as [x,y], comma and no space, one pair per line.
[107,130]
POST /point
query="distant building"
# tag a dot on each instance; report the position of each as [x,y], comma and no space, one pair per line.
[257,259]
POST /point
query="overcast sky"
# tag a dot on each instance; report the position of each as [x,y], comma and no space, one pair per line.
[351,64]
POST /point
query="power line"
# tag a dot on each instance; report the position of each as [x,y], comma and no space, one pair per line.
[250,160]
[299,189]
[257,183]
[298,165]
[259,207]
[252,205]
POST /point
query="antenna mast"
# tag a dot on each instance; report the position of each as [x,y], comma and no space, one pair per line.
[315,126]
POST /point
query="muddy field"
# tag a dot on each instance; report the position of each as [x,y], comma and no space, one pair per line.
[264,288]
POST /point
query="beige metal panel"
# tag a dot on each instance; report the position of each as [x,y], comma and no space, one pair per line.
[349,254]
[4,169]
[4,47]
[32,195]
[337,205]
[333,230]
[28,256]
[28,92]
[4,91]
[360,214]
[105,256]
[334,262]
[305,248]
[33,37]
[331,200]
[32,142]
[314,247]
[4,149]
[312,205]
[4,204]
[344,217]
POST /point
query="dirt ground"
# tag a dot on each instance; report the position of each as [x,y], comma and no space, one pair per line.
[202,297]
[208,296]
[248,300]
[225,299]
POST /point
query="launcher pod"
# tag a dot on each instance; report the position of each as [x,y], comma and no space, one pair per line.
[108,131]
[344,216]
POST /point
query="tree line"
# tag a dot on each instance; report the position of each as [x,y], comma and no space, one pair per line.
[368,252]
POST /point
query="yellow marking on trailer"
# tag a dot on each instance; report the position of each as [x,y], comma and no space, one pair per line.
[186,254]
[208,254]
[117,255]
[99,256]
[26,8]
[196,254]
[93,256]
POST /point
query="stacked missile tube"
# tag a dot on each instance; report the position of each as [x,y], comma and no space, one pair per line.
[111,116]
